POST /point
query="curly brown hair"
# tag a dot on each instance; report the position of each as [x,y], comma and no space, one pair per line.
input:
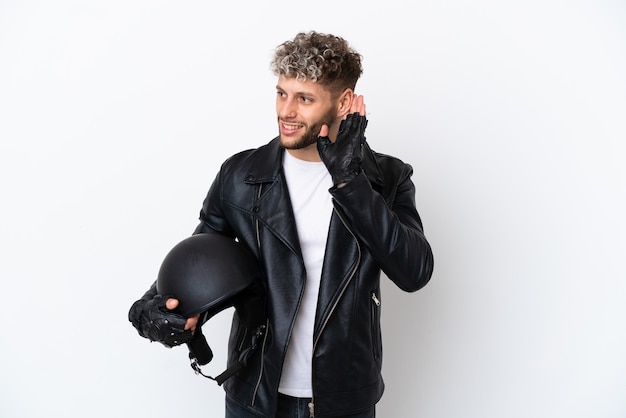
[322,58]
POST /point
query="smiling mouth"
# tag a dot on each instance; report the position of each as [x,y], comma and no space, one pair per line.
[291,126]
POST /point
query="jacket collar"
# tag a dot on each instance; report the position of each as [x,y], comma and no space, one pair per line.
[270,163]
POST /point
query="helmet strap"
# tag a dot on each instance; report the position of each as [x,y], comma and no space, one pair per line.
[257,337]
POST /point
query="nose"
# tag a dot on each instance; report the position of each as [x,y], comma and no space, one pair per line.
[286,108]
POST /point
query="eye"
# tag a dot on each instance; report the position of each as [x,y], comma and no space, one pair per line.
[306,99]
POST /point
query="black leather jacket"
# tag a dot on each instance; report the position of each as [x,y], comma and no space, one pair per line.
[375,226]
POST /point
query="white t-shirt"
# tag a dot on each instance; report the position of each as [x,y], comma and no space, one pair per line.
[308,184]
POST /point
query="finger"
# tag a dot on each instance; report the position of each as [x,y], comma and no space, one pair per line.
[357,104]
[354,106]
[171,303]
[324,130]
[192,322]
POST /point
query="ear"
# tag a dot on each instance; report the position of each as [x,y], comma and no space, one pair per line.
[345,103]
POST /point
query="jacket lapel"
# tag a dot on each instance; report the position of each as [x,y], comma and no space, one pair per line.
[341,261]
[272,204]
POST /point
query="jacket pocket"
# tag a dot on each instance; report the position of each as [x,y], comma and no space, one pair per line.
[375,325]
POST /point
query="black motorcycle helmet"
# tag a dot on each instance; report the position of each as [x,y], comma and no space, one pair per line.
[205,271]
[209,273]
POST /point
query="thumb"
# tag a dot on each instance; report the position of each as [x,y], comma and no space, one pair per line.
[171,304]
[324,131]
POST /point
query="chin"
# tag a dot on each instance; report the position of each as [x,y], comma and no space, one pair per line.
[287,143]
[292,143]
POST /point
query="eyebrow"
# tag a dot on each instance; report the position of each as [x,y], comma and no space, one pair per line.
[301,93]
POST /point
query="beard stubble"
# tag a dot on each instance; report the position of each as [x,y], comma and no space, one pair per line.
[311,133]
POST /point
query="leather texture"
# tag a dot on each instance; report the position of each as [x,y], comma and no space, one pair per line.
[374,227]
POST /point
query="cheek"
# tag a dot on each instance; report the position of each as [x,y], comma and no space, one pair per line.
[279,107]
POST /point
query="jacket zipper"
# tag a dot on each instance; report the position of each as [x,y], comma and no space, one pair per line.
[258,233]
[374,325]
[356,267]
[267,325]
[375,299]
[258,382]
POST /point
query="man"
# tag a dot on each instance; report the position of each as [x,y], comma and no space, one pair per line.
[324,214]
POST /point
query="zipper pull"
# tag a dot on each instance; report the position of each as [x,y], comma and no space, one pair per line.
[375,299]
[311,410]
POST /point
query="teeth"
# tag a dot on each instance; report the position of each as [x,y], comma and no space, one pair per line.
[291,127]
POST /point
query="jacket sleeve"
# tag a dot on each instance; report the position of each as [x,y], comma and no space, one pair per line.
[391,230]
[212,217]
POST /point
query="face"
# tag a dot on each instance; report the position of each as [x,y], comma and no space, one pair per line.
[302,108]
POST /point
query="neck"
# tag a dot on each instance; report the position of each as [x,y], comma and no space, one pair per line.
[309,153]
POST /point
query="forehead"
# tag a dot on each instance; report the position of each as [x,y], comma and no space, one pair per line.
[292,86]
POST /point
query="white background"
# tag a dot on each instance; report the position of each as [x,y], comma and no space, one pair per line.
[115,116]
